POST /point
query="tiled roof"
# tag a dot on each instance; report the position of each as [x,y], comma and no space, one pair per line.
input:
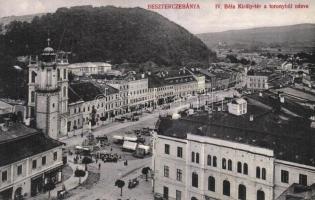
[290,137]
[73,96]
[109,90]
[24,147]
[155,82]
[85,91]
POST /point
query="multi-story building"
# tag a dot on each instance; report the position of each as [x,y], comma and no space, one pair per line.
[137,91]
[89,68]
[257,80]
[48,92]
[184,85]
[256,155]
[161,92]
[90,103]
[309,77]
[28,160]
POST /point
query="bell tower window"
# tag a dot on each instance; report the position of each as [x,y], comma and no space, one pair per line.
[33,77]
[49,78]
[58,74]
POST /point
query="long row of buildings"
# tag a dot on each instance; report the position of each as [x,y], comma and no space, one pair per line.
[77,104]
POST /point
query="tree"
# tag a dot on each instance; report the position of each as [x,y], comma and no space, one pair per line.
[145,171]
[79,173]
[50,185]
[120,183]
[86,161]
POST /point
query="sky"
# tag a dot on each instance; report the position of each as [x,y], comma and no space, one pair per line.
[205,19]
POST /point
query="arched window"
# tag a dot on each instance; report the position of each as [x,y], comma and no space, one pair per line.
[239,167]
[197,157]
[263,173]
[65,74]
[226,188]
[194,198]
[58,74]
[257,172]
[223,163]
[245,168]
[194,179]
[214,163]
[209,160]
[260,195]
[230,165]
[192,156]
[241,192]
[33,77]
[211,183]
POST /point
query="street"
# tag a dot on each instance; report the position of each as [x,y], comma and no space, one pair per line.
[100,183]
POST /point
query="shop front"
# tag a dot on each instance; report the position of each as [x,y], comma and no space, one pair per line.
[6,194]
[37,184]
[54,175]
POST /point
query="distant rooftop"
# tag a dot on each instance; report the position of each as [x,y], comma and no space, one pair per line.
[290,137]
[258,73]
[89,64]
[179,79]
[155,82]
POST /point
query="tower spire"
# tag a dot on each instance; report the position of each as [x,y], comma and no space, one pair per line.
[48,38]
[48,42]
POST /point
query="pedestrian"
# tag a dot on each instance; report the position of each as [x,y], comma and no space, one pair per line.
[111,149]
[96,160]
[99,166]
[81,135]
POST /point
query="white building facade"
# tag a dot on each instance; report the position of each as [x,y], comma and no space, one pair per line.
[204,168]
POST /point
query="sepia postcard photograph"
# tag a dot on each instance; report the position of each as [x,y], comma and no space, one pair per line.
[157,100]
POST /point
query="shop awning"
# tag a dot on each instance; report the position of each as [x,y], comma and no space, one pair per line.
[130,145]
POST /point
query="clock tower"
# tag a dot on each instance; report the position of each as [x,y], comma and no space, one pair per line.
[47,93]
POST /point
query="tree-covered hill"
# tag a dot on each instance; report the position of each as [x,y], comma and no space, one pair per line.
[119,35]
[108,33]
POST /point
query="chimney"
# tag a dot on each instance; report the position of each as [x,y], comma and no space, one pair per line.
[251,117]
[142,75]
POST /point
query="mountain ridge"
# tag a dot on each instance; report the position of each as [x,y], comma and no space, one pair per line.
[289,35]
